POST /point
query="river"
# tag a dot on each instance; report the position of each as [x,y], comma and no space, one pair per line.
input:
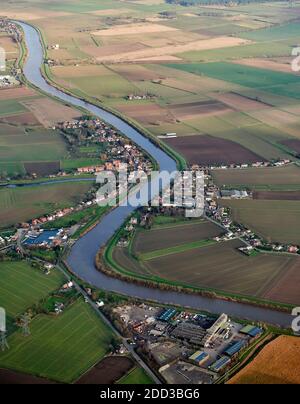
[83,252]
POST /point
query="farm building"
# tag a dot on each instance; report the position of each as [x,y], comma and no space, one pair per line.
[234,194]
[220,364]
[199,357]
[251,330]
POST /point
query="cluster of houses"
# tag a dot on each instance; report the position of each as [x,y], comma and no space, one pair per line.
[7,81]
[132,97]
[11,29]
[118,150]
[235,230]
[259,164]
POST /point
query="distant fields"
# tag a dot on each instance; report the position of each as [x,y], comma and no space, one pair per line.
[21,286]
[59,348]
[275,82]
[23,204]
[273,178]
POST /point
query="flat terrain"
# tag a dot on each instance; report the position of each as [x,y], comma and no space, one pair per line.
[157,239]
[21,286]
[277,364]
[281,178]
[60,348]
[207,150]
[108,371]
[23,204]
[274,220]
[277,196]
[136,376]
[218,267]
[11,377]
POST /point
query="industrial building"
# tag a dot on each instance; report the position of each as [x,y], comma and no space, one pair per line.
[167,315]
[189,332]
[251,330]
[199,357]
[235,348]
[220,364]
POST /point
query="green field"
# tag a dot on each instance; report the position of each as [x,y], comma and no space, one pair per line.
[11,107]
[136,376]
[23,204]
[275,82]
[21,286]
[59,348]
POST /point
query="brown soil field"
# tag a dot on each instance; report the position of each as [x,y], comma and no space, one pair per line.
[122,258]
[287,288]
[293,144]
[275,118]
[222,267]
[134,29]
[268,64]
[206,44]
[156,239]
[42,169]
[107,51]
[239,102]
[49,112]
[11,377]
[108,371]
[277,196]
[288,175]
[194,109]
[112,11]
[136,73]
[277,363]
[15,93]
[80,71]
[27,119]
[149,114]
[160,59]
[32,14]
[10,46]
[207,150]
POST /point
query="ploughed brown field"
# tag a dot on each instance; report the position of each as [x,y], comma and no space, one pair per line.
[193,109]
[206,150]
[19,92]
[11,377]
[108,371]
[293,144]
[26,119]
[277,196]
[286,290]
[223,267]
[157,239]
[42,169]
[277,363]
